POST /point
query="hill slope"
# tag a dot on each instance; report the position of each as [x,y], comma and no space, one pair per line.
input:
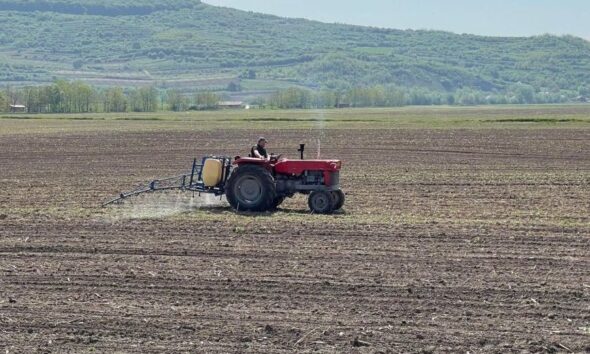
[188,44]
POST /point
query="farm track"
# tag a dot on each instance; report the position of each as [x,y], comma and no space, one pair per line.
[452,241]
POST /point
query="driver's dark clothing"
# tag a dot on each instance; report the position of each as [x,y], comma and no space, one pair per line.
[261,151]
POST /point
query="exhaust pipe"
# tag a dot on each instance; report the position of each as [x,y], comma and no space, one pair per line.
[301,150]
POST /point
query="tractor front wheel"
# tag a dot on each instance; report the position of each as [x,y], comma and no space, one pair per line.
[251,188]
[338,199]
[321,202]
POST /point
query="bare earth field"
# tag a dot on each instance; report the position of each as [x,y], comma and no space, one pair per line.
[465,230]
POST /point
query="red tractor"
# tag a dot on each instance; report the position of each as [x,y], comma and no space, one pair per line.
[258,185]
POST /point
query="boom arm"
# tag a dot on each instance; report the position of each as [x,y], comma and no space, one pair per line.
[190,181]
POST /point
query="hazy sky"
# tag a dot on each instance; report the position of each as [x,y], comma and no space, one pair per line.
[490,17]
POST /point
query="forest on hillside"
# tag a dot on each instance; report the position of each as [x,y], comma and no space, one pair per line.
[102,8]
[192,46]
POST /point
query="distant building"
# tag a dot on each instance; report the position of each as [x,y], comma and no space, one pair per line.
[17,108]
[582,99]
[230,105]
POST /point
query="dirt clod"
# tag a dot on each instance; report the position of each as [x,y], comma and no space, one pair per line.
[360,343]
[431,349]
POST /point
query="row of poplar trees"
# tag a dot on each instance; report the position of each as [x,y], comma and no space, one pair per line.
[79,97]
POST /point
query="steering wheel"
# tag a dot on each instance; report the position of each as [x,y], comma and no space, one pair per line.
[274,158]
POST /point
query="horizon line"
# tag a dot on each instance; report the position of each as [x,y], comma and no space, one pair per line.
[584,37]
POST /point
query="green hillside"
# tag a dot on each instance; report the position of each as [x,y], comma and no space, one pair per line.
[189,45]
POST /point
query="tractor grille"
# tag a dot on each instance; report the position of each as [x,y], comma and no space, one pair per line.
[313,178]
[335,179]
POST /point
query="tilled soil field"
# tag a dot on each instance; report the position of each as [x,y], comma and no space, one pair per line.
[452,240]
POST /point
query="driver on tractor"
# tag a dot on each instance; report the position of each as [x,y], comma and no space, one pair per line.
[259,150]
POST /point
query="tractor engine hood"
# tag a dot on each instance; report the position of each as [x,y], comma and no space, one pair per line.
[297,167]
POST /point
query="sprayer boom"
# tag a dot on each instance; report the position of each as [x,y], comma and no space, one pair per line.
[191,181]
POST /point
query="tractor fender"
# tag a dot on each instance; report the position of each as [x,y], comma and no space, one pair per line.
[241,161]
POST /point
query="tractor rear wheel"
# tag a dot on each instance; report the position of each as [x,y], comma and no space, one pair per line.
[338,199]
[321,202]
[251,188]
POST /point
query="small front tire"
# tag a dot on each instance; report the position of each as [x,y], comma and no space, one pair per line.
[338,199]
[321,202]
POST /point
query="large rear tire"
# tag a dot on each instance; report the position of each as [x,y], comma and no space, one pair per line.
[321,202]
[251,188]
[338,199]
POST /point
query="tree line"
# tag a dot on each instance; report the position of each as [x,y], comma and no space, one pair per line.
[391,96]
[79,97]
